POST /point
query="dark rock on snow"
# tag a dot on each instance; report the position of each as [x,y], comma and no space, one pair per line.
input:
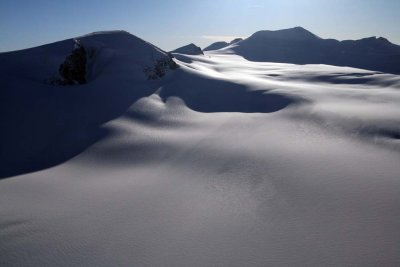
[161,67]
[73,70]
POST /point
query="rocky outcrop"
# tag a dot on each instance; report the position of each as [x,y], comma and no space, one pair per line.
[73,70]
[161,67]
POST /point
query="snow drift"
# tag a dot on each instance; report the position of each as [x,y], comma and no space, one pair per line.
[222,162]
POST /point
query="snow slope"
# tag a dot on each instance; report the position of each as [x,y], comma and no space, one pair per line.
[42,124]
[223,162]
[299,46]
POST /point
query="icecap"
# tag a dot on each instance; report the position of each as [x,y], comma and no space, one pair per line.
[224,162]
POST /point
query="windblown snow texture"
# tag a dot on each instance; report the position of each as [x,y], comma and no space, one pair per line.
[221,162]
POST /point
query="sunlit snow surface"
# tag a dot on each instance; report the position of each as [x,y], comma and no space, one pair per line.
[228,163]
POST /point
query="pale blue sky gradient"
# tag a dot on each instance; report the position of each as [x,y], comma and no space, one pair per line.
[170,24]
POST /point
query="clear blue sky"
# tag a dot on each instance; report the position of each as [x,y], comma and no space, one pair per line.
[172,23]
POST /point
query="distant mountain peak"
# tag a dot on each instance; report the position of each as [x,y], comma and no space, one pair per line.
[297,29]
[299,46]
[384,40]
[236,40]
[296,33]
[222,44]
[106,33]
[190,49]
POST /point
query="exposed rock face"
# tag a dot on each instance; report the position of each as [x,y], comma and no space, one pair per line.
[73,70]
[160,68]
[85,61]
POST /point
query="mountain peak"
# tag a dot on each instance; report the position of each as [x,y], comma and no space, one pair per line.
[236,40]
[296,33]
[299,46]
[111,32]
[190,49]
[298,28]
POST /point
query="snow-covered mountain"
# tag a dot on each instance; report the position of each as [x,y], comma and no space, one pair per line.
[190,49]
[216,46]
[44,124]
[220,162]
[299,46]
[221,44]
